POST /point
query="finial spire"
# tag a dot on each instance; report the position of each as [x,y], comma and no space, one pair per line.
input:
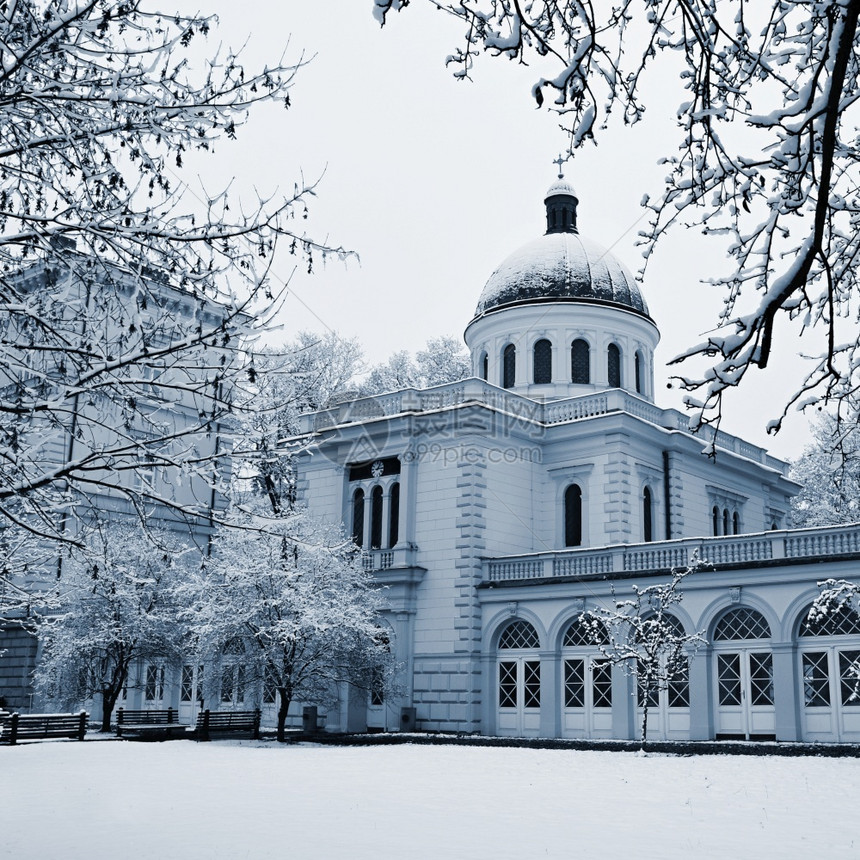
[559,161]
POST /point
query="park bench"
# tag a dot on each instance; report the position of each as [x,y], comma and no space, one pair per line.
[32,727]
[153,724]
[227,723]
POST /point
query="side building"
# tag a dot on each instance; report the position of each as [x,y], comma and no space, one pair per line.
[114,392]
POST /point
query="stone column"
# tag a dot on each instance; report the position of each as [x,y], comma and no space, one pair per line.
[550,712]
[701,696]
[785,699]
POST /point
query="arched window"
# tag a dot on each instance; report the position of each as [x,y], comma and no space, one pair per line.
[509,366]
[573,516]
[519,635]
[485,366]
[647,515]
[715,513]
[736,523]
[394,515]
[358,517]
[613,365]
[588,631]
[726,530]
[580,371]
[637,369]
[543,362]
[376,517]
[741,623]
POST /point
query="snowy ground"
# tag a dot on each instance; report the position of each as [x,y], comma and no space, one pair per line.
[237,800]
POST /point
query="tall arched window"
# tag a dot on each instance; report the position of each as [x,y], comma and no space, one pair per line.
[509,366]
[647,515]
[543,362]
[573,516]
[580,372]
[715,515]
[376,517]
[485,366]
[736,523]
[613,365]
[726,530]
[637,369]
[358,517]
[394,515]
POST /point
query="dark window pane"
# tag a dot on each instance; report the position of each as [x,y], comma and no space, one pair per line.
[358,517]
[849,678]
[508,684]
[394,515]
[647,515]
[531,684]
[613,361]
[574,683]
[637,367]
[816,680]
[761,679]
[729,678]
[485,367]
[543,362]
[580,371]
[376,517]
[601,684]
[573,516]
[509,366]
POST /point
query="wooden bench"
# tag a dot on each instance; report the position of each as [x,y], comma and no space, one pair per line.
[227,723]
[152,724]
[33,727]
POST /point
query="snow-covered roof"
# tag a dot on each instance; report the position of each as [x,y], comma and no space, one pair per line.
[560,186]
[561,266]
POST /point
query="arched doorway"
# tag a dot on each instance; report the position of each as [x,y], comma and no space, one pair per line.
[586,682]
[830,676]
[518,681]
[743,669]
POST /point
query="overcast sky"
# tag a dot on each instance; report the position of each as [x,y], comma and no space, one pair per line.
[434,182]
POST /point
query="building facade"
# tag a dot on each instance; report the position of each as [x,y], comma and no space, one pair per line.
[496,510]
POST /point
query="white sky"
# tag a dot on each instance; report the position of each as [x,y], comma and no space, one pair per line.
[434,182]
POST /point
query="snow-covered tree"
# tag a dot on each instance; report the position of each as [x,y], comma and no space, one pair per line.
[119,337]
[294,591]
[305,374]
[444,359]
[837,601]
[647,639]
[765,157]
[829,470]
[114,606]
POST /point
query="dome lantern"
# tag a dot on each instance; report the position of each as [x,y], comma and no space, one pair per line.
[561,202]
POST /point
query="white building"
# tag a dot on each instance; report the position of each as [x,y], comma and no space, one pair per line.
[495,510]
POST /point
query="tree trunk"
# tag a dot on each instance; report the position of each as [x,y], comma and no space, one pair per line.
[645,720]
[109,697]
[284,700]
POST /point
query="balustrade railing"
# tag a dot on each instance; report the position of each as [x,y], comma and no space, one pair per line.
[832,541]
[412,400]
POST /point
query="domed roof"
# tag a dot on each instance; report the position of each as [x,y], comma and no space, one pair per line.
[561,266]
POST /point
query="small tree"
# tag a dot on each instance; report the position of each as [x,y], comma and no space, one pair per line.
[646,638]
[829,470]
[296,593]
[114,606]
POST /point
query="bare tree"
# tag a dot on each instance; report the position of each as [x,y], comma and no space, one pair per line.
[766,155]
[120,334]
[647,639]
